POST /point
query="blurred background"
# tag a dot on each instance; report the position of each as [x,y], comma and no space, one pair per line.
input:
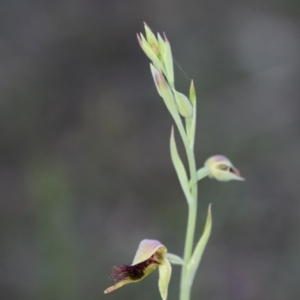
[85,170]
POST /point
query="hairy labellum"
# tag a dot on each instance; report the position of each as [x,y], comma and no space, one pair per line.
[135,272]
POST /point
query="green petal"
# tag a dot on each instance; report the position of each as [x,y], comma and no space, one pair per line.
[165,271]
[162,47]
[227,176]
[151,39]
[118,285]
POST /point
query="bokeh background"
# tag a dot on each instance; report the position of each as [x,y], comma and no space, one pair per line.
[85,171]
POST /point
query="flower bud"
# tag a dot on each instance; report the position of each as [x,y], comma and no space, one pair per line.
[221,169]
[151,39]
[164,90]
[149,51]
[184,105]
[168,61]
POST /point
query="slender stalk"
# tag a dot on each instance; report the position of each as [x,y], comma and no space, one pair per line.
[185,285]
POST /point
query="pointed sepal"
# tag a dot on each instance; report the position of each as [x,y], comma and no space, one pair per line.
[165,271]
[151,39]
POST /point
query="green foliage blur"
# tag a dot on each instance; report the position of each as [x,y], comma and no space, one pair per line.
[85,170]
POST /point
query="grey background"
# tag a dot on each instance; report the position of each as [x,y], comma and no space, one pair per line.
[85,172]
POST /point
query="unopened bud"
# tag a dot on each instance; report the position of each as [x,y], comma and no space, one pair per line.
[184,105]
[221,168]
[149,51]
[151,39]
[164,90]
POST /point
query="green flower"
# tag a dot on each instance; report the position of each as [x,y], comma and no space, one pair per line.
[150,255]
[222,169]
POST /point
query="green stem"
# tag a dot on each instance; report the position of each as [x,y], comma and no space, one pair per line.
[185,286]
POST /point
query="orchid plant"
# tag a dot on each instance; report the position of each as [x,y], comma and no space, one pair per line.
[152,254]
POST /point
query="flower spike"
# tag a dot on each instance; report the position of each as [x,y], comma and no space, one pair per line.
[150,255]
